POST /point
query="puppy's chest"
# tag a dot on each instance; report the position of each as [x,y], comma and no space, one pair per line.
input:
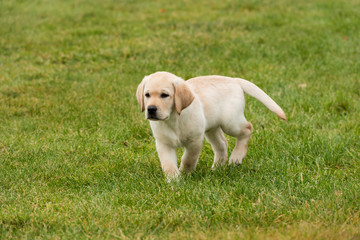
[172,136]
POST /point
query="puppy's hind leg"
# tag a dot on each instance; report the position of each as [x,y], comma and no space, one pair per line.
[219,145]
[242,139]
[191,155]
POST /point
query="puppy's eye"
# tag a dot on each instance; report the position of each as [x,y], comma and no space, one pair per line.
[147,95]
[164,95]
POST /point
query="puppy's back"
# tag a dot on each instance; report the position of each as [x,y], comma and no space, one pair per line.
[222,98]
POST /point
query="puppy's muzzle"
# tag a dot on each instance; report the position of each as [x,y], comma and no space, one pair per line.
[152,112]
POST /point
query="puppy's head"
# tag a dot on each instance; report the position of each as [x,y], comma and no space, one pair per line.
[161,93]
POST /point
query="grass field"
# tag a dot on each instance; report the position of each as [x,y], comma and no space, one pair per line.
[77,159]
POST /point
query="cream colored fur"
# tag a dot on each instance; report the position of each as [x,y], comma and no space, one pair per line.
[182,112]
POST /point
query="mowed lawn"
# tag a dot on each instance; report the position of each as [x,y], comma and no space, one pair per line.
[77,158]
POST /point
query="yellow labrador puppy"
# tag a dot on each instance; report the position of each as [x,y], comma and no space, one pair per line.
[182,112]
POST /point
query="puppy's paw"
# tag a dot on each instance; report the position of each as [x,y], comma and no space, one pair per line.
[187,168]
[219,160]
[171,173]
[172,179]
[218,164]
[236,159]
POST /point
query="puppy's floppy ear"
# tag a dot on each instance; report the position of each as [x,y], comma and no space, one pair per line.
[140,94]
[183,97]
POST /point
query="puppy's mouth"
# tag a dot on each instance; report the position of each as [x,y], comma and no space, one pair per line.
[154,118]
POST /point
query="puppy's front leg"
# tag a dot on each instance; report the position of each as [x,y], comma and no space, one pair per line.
[191,155]
[168,159]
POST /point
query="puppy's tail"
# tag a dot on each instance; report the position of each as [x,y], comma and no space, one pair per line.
[260,95]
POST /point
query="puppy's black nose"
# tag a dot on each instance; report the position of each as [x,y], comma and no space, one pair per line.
[152,109]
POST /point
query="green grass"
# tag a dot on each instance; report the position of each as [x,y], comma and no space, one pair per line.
[77,159]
